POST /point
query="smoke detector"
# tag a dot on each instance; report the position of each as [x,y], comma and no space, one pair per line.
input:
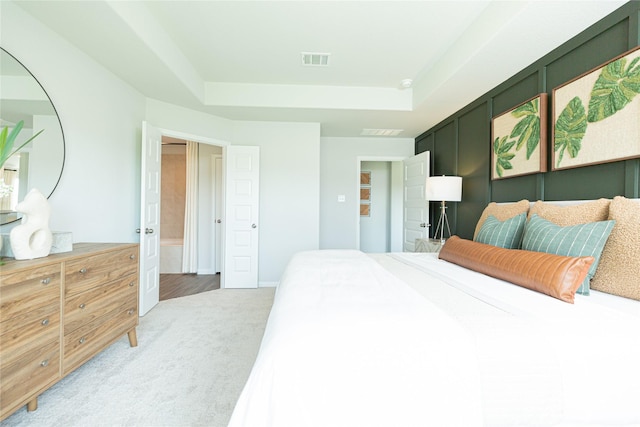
[406,83]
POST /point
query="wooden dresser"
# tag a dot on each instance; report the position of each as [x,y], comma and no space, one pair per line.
[58,312]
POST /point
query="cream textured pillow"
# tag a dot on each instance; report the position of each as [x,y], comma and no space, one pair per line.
[502,212]
[597,210]
[619,270]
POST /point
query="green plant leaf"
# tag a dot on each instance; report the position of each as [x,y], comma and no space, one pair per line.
[615,87]
[8,139]
[527,130]
[534,139]
[570,129]
[501,147]
[526,109]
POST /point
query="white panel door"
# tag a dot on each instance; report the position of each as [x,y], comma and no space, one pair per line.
[416,207]
[150,218]
[242,167]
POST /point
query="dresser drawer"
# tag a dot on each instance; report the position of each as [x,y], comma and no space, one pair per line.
[24,379]
[23,334]
[84,308]
[89,272]
[28,290]
[94,336]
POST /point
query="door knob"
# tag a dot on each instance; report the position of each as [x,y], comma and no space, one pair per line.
[146,230]
[218,221]
[253,226]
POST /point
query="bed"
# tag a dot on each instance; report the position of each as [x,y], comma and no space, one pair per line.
[411,339]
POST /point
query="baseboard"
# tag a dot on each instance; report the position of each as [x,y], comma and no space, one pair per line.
[207,271]
[267,284]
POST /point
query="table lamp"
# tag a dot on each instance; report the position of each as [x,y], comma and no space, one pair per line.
[443,189]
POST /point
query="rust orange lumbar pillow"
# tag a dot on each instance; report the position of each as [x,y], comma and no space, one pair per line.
[555,275]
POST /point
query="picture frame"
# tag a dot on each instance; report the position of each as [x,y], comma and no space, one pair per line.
[365,178]
[519,139]
[365,193]
[596,116]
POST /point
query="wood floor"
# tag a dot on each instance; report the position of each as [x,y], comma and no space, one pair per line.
[180,285]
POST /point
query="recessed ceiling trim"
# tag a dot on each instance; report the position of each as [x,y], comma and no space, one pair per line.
[306,96]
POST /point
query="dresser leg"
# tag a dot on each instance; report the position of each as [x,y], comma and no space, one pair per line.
[133,338]
[32,405]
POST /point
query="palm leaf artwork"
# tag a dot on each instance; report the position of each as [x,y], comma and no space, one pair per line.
[570,128]
[503,157]
[527,130]
[615,87]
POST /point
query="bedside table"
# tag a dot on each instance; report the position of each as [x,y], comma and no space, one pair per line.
[428,245]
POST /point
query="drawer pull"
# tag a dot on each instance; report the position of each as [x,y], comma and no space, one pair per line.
[83,270]
[82,306]
[132,256]
[132,283]
[45,322]
[46,281]
[82,340]
[131,311]
[44,363]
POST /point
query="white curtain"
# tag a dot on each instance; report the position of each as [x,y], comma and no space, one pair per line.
[190,245]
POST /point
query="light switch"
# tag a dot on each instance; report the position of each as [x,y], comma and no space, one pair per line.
[341,198]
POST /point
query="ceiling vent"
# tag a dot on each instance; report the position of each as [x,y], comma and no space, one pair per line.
[381,132]
[315,59]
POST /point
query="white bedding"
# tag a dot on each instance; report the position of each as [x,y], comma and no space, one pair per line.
[410,340]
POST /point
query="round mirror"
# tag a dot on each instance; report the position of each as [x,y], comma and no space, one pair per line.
[38,164]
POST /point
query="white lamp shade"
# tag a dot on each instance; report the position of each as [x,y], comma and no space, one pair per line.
[444,188]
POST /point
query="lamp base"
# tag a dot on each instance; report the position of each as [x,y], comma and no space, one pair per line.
[441,224]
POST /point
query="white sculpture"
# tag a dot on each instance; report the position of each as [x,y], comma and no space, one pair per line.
[32,238]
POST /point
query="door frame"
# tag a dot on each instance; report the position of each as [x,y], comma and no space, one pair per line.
[209,141]
[217,166]
[359,160]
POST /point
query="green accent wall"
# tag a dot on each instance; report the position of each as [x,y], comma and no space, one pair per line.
[461,144]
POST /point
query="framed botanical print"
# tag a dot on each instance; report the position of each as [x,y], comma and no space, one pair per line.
[365,178]
[519,139]
[365,193]
[596,116]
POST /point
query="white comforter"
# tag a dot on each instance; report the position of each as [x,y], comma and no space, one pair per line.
[410,340]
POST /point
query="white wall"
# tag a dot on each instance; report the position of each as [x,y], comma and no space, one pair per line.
[97,197]
[289,190]
[211,129]
[339,163]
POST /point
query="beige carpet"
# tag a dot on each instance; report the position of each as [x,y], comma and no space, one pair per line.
[193,357]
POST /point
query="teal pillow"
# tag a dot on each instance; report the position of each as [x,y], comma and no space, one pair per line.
[588,239]
[505,234]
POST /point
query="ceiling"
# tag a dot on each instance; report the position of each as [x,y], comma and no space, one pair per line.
[242,59]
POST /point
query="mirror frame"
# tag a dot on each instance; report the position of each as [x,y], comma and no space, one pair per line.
[64,149]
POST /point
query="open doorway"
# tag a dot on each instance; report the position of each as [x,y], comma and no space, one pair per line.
[190,217]
[381,187]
